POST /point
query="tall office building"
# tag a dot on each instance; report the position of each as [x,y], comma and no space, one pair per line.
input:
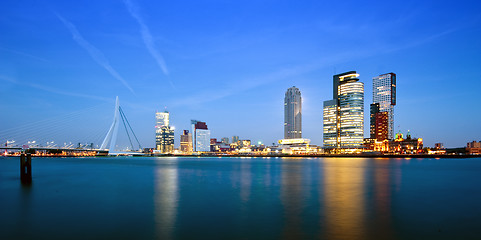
[330,128]
[379,123]
[235,139]
[186,142]
[164,134]
[225,140]
[343,116]
[292,113]
[200,136]
[384,94]
[162,119]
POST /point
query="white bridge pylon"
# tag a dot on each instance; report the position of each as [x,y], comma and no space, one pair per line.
[111,136]
[114,129]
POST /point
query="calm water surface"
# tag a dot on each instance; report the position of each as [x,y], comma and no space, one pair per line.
[242,198]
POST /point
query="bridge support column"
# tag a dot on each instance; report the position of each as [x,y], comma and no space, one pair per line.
[26,168]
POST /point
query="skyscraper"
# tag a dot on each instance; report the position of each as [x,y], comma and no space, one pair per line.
[343,116]
[292,113]
[378,123]
[162,119]
[164,134]
[384,94]
[200,136]
[235,139]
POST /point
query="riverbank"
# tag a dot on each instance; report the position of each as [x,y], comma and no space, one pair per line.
[275,155]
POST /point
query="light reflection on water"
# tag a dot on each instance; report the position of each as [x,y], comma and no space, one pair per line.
[166,199]
[344,205]
[292,196]
[242,198]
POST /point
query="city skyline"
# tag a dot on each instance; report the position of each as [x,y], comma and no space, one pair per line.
[60,57]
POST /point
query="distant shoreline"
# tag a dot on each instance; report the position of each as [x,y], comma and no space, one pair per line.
[330,156]
[287,156]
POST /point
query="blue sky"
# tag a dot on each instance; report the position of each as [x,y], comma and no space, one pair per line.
[229,63]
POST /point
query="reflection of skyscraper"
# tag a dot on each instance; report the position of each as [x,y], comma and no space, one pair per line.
[343,198]
[186,142]
[200,136]
[384,94]
[292,113]
[344,115]
[382,198]
[164,134]
[166,200]
[293,195]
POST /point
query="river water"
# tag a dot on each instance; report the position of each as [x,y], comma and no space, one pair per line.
[241,198]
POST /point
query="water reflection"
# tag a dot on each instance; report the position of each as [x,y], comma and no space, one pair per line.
[382,196]
[292,198]
[166,199]
[245,180]
[344,204]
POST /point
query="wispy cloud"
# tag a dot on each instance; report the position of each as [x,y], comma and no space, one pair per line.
[147,37]
[24,54]
[96,54]
[290,72]
[52,90]
[244,85]
[8,79]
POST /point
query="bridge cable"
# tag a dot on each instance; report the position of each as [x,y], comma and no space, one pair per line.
[122,116]
[130,128]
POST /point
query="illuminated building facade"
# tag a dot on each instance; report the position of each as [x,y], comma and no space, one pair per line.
[162,119]
[384,94]
[200,136]
[438,146]
[245,143]
[330,116]
[379,126]
[401,145]
[166,144]
[408,145]
[164,134]
[473,148]
[186,142]
[343,116]
[292,113]
[297,146]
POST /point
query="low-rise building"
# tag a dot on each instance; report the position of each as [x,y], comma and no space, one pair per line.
[400,145]
[297,146]
[473,148]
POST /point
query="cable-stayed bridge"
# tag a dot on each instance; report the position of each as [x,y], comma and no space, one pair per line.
[83,132]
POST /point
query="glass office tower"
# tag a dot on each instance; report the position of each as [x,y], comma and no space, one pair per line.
[343,116]
[164,134]
[384,94]
[200,136]
[330,124]
[351,114]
